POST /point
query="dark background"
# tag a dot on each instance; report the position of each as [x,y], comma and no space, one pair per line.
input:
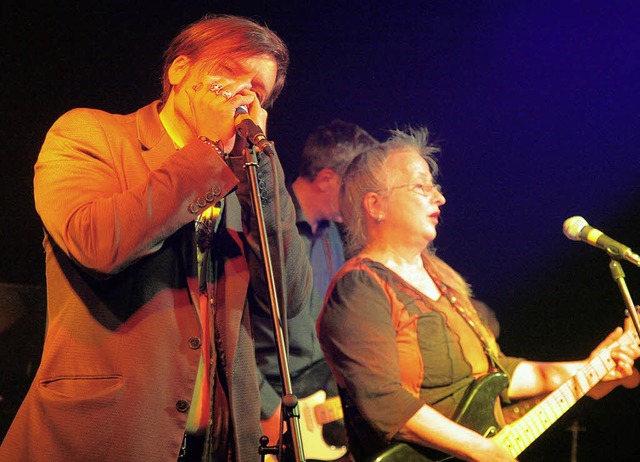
[533,103]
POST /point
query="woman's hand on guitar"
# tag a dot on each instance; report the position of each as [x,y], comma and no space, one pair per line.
[624,350]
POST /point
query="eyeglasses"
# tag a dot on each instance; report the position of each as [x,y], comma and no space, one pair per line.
[426,190]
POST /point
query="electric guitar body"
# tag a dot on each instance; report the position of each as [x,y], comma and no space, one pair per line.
[476,411]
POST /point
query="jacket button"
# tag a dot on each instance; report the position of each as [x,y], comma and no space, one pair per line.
[216,190]
[201,202]
[193,208]
[194,343]
[182,405]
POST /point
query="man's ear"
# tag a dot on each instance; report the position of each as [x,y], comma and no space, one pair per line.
[179,69]
[324,178]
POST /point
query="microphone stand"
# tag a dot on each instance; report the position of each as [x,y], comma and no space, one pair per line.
[618,276]
[290,409]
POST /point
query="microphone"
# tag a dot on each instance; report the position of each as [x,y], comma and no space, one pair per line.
[577,229]
[249,130]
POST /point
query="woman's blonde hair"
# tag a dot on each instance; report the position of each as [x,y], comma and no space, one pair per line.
[368,173]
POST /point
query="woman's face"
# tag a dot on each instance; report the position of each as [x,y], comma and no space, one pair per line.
[413,203]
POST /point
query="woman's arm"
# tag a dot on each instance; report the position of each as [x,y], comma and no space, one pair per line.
[532,378]
[429,428]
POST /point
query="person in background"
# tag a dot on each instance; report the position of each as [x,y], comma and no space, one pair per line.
[398,328]
[152,262]
[327,152]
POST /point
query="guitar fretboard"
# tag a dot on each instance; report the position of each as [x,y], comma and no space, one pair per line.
[516,437]
[329,411]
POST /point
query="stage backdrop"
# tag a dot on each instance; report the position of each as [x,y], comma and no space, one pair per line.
[533,103]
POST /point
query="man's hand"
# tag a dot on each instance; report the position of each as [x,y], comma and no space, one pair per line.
[271,427]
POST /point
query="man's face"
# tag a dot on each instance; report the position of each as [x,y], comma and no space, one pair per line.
[199,110]
[333,197]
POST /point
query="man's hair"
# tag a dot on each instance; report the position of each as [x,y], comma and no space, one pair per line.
[333,146]
[215,39]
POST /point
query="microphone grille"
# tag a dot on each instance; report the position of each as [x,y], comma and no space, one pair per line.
[242,110]
[572,227]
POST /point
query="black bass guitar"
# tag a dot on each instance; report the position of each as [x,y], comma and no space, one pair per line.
[477,411]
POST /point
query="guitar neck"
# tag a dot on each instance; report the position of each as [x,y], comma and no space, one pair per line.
[516,437]
[329,411]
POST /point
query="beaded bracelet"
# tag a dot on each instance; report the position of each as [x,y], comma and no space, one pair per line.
[217,145]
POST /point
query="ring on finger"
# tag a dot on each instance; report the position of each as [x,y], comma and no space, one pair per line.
[227,94]
[216,87]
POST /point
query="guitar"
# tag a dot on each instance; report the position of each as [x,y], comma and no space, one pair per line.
[317,410]
[517,436]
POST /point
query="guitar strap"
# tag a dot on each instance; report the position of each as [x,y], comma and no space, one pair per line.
[488,341]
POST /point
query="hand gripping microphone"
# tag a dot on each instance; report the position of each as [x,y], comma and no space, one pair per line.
[577,229]
[249,130]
